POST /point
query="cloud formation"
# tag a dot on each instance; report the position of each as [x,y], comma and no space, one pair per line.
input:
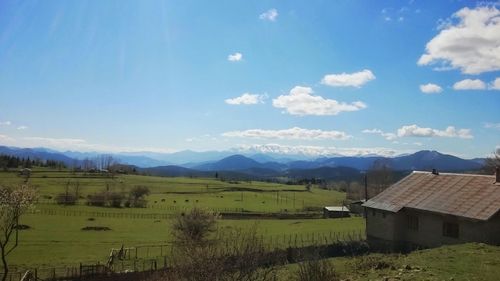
[430,88]
[356,79]
[315,151]
[495,85]
[469,84]
[294,133]
[489,125]
[21,128]
[301,101]
[246,99]
[387,136]
[63,144]
[5,123]
[416,131]
[269,15]
[471,44]
[449,132]
[235,57]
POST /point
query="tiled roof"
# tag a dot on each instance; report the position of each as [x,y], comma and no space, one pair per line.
[463,195]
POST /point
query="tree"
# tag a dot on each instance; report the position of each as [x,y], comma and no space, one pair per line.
[380,177]
[195,226]
[137,194]
[492,162]
[14,202]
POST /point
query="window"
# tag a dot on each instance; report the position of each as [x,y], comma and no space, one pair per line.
[383,215]
[373,212]
[412,222]
[450,229]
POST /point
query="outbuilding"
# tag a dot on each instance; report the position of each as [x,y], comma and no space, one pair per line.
[335,212]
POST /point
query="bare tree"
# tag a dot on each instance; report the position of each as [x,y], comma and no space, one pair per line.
[379,177]
[202,256]
[14,202]
[195,226]
[492,162]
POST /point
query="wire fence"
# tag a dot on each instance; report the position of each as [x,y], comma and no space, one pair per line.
[145,258]
[228,213]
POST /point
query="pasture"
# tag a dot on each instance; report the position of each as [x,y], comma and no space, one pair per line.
[56,238]
[181,193]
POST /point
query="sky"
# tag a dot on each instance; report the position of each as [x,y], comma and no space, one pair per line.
[313,77]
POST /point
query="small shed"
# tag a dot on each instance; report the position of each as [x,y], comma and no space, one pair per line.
[356,207]
[336,212]
[25,172]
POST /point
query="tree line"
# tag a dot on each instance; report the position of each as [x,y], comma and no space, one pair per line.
[7,161]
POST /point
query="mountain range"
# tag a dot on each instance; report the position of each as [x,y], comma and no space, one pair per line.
[191,163]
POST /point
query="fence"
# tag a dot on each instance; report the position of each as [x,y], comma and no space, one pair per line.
[227,213]
[144,258]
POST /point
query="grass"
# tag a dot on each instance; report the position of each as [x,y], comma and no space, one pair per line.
[59,240]
[183,192]
[471,261]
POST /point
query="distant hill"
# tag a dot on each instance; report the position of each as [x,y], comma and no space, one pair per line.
[428,160]
[238,163]
[37,153]
[327,173]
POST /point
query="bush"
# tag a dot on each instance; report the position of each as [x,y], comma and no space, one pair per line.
[194,226]
[66,199]
[316,270]
[97,199]
[136,196]
[115,199]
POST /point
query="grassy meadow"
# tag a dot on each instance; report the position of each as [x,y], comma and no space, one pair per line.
[463,262]
[58,239]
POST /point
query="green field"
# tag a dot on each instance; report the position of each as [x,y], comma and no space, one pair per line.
[183,192]
[56,239]
[458,262]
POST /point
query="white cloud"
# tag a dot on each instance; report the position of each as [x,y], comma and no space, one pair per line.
[431,88]
[5,123]
[495,85]
[489,125]
[294,133]
[472,44]
[235,57]
[469,84]
[21,128]
[270,15]
[300,101]
[6,140]
[315,151]
[387,136]
[73,144]
[449,132]
[356,79]
[246,99]
[416,131]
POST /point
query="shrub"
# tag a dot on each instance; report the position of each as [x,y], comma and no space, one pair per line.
[194,226]
[316,270]
[115,199]
[97,199]
[66,199]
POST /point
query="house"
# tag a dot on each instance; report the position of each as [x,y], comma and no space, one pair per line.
[336,212]
[428,209]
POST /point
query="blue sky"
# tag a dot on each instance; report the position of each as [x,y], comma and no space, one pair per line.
[314,77]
